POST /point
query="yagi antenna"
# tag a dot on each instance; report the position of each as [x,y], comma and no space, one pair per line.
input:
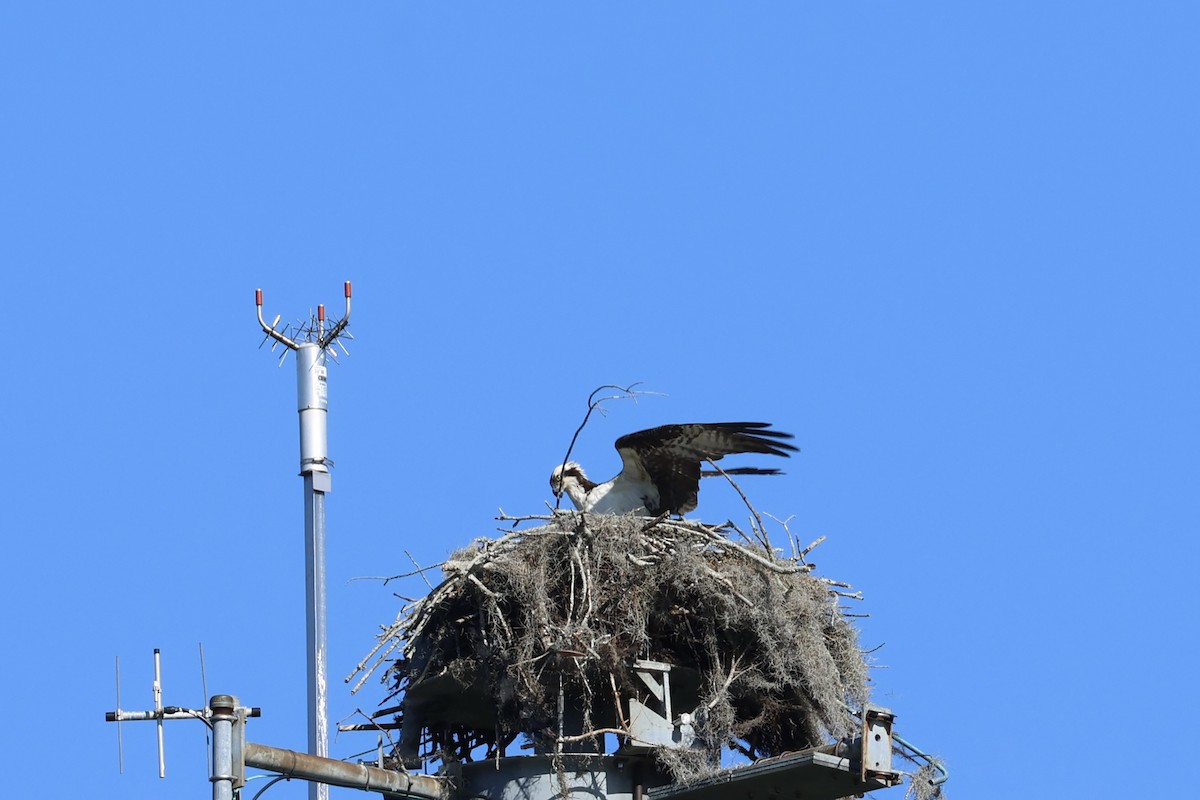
[158,714]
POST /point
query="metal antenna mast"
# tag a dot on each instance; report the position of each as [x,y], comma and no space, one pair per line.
[314,344]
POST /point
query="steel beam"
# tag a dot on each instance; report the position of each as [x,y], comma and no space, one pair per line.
[341,773]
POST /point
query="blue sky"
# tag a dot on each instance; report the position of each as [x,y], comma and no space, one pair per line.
[952,247]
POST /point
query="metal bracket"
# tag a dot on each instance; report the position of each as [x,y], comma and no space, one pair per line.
[877,745]
[653,724]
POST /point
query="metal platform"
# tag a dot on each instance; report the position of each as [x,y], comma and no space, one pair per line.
[811,775]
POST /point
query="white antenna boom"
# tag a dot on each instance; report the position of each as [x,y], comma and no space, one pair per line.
[158,710]
[120,744]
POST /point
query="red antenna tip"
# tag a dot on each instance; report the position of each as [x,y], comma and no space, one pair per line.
[347,288]
[258,296]
[321,312]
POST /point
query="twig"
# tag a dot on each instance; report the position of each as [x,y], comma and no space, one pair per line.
[812,546]
[761,530]
[382,657]
[370,721]
[712,573]
[388,578]
[383,639]
[783,523]
[532,660]
[716,538]
[525,517]
[612,681]
[740,532]
[654,522]
[592,735]
[832,582]
[571,593]
[482,587]
[733,674]
[627,393]
[585,588]
[420,570]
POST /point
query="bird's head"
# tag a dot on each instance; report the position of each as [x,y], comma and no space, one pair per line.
[564,475]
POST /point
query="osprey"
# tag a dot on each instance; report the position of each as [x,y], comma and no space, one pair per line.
[661,472]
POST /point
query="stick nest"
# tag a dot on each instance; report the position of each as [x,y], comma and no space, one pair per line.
[563,609]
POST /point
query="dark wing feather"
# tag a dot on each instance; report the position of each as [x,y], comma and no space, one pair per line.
[672,455]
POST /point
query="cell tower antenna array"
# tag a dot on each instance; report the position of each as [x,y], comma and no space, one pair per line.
[316,341]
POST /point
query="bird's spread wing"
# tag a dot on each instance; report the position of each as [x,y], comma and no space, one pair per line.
[671,455]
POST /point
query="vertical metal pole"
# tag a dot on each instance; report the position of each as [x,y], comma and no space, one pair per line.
[314,571]
[223,707]
[312,392]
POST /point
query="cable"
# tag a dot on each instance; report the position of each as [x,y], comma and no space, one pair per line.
[930,760]
[270,783]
